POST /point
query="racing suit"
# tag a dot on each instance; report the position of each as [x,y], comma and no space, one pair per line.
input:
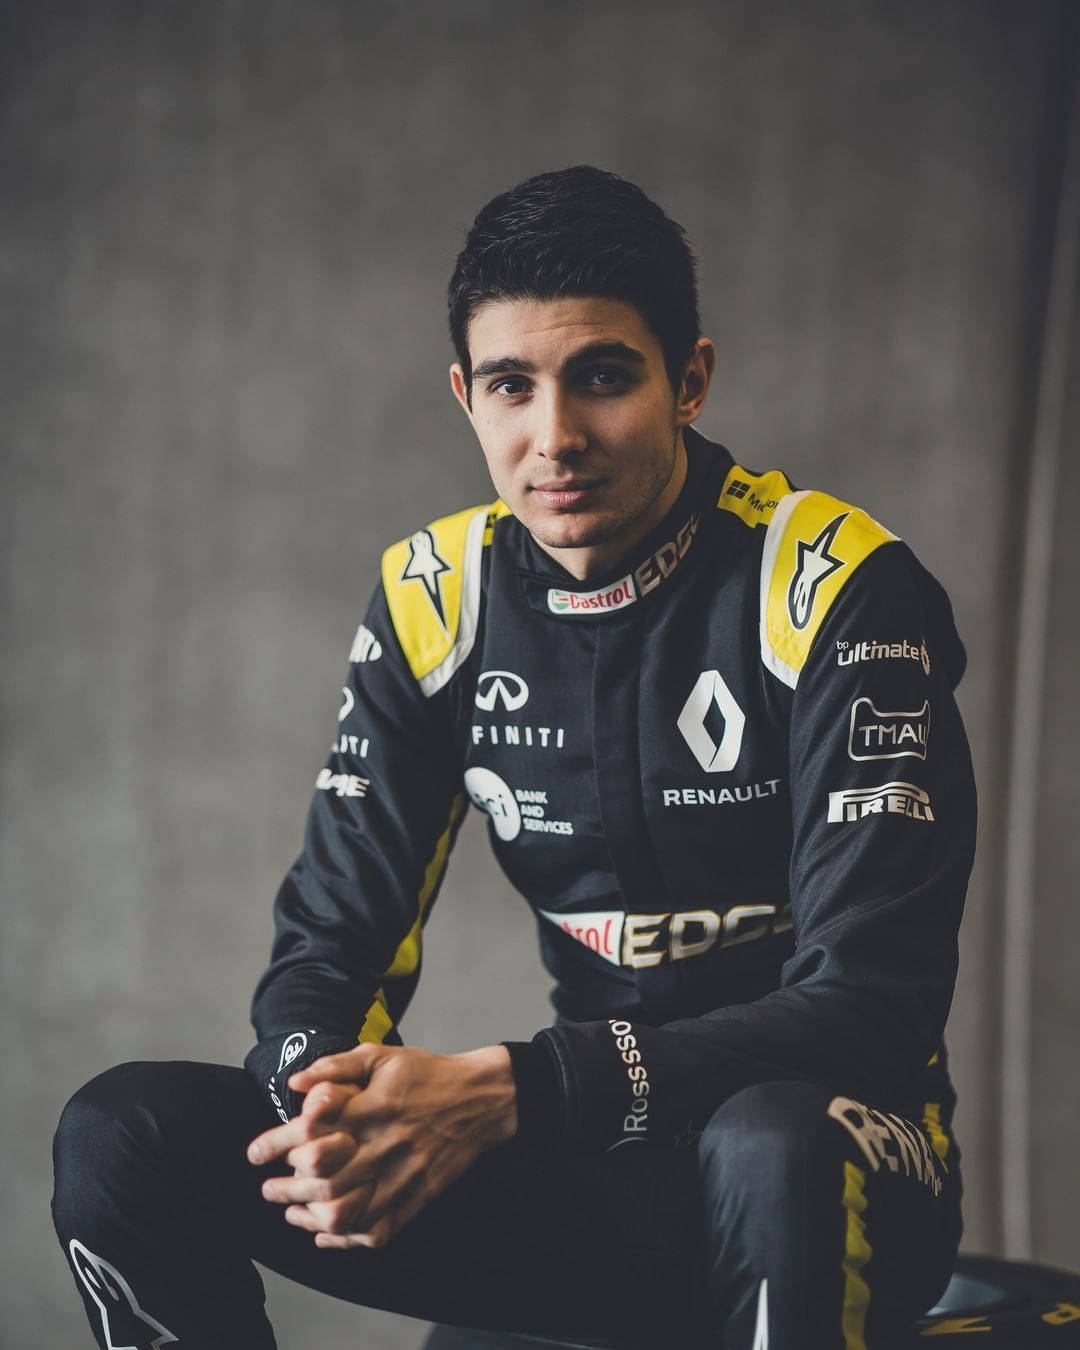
[711,774]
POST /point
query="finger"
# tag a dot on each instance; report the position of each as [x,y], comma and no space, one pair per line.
[301,1217]
[350,1066]
[327,1099]
[277,1142]
[394,1219]
[339,1216]
[323,1157]
[341,1240]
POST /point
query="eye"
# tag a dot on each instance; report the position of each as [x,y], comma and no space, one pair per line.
[607,377]
[512,380]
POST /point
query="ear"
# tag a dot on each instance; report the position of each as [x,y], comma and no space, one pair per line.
[460,388]
[695,383]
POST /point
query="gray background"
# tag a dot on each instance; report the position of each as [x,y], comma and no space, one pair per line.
[226,234]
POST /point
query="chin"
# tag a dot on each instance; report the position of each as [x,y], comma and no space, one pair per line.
[570,532]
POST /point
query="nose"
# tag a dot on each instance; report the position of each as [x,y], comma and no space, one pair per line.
[558,431]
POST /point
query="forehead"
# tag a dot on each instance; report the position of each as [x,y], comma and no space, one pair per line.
[548,329]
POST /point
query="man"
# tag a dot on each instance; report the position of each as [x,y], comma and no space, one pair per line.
[710,719]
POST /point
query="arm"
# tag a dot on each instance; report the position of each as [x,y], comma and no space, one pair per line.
[877,887]
[349,915]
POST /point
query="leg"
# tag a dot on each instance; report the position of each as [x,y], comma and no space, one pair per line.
[827,1225]
[161,1216]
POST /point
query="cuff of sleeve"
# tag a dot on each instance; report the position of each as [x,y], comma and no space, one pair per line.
[273,1059]
[539,1090]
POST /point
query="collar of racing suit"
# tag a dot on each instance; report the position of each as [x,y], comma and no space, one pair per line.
[653,565]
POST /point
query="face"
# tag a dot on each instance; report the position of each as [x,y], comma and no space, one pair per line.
[578,422]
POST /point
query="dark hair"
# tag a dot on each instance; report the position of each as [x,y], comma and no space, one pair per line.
[582,232]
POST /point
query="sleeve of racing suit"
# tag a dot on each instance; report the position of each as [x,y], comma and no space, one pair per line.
[348,917]
[882,851]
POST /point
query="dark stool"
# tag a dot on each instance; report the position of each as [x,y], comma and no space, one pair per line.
[1022,1304]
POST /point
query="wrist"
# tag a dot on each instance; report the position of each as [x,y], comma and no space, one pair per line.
[491,1082]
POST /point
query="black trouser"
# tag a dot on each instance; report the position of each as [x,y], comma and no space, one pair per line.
[778,1213]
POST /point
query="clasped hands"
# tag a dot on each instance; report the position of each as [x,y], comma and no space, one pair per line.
[383,1130]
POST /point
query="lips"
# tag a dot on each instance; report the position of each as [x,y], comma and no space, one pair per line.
[567,494]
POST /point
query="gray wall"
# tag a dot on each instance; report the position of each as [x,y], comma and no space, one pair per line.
[226,234]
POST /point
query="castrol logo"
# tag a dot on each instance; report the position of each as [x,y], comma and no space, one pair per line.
[616,596]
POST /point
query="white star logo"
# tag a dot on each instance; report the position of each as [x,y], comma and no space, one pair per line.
[425,565]
[815,563]
[125,1324]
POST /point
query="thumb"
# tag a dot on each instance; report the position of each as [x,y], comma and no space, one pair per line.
[350,1066]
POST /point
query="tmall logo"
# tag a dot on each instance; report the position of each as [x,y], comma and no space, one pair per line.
[814,565]
[887,735]
[710,697]
[501,686]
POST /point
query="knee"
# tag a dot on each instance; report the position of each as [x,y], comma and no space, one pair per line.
[769,1128]
[107,1120]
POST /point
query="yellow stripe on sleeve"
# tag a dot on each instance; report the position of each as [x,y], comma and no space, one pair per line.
[378,1021]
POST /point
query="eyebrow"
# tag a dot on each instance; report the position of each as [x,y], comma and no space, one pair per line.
[595,351]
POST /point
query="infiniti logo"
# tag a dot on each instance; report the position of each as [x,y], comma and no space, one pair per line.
[501,686]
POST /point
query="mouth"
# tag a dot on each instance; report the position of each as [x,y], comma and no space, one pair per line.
[566,494]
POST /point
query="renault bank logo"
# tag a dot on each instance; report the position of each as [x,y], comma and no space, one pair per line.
[711,696]
[501,686]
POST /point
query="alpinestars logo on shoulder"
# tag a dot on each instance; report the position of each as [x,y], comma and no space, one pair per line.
[426,566]
[815,563]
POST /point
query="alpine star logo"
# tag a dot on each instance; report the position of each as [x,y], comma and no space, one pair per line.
[900,799]
[426,566]
[887,735]
[501,686]
[616,596]
[710,691]
[493,797]
[366,646]
[814,565]
[125,1324]
[293,1048]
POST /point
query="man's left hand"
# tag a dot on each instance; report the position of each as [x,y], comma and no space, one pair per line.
[383,1130]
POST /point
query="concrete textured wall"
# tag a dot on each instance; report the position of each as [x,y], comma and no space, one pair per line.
[225,236]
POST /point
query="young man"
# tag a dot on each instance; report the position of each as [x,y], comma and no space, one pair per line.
[696,706]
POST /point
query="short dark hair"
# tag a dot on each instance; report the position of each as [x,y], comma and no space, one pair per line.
[580,231]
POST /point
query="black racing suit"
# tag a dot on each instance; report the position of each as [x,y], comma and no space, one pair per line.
[732,782]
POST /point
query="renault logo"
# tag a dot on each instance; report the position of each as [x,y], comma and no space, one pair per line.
[709,691]
[501,686]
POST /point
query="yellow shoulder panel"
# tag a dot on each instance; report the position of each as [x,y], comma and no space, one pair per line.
[753,497]
[813,546]
[432,585]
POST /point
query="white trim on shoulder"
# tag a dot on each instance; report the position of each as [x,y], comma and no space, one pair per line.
[469,617]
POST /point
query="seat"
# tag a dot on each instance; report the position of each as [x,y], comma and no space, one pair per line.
[1023,1304]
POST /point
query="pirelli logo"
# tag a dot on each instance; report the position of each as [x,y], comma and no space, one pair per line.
[897,799]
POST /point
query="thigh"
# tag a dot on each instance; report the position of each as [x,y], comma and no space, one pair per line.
[528,1239]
